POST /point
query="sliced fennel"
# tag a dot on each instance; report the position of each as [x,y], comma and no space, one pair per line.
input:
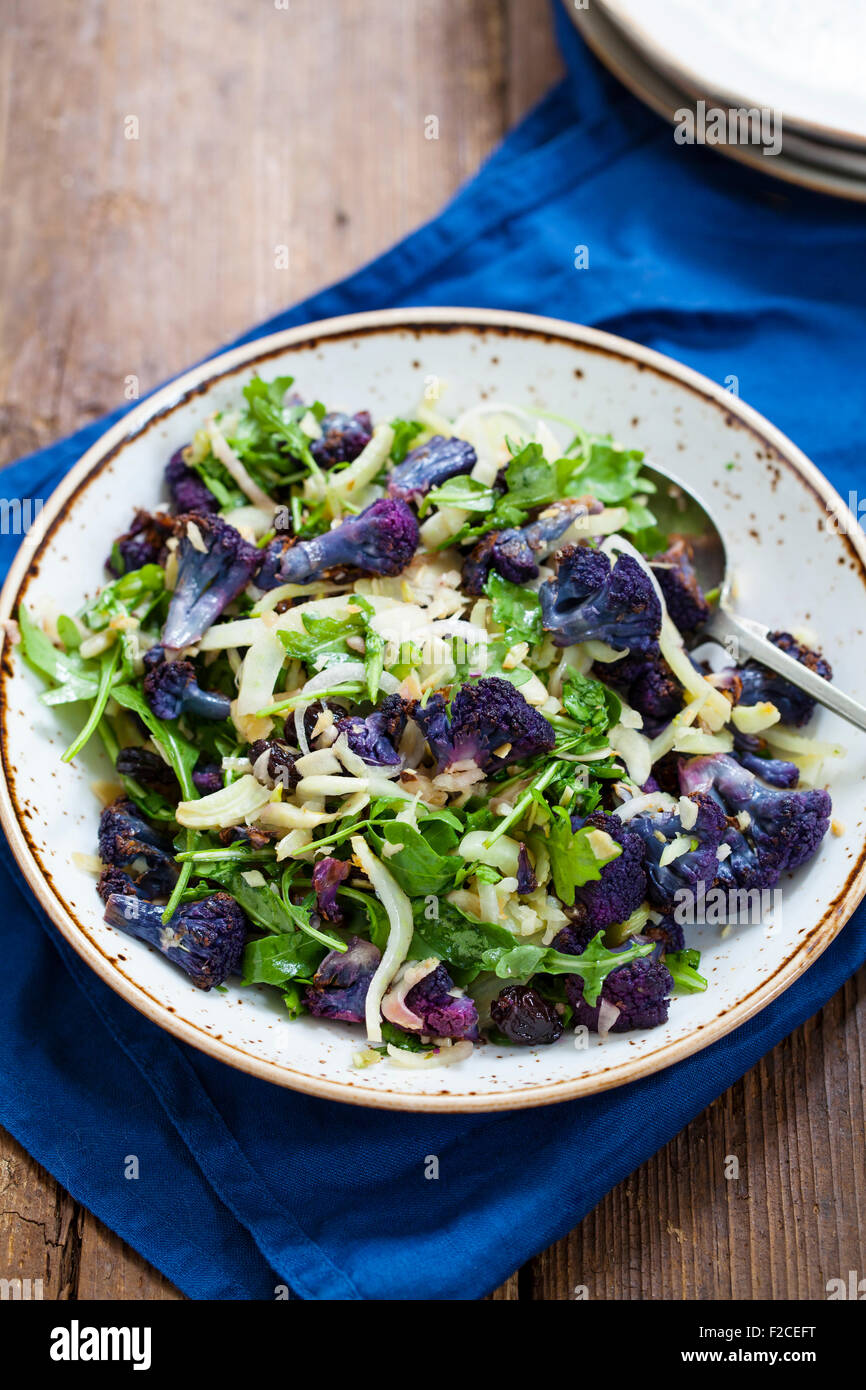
[352,480]
[232,805]
[399,910]
[261,667]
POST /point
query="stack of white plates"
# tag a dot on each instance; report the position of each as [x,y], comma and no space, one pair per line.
[777,84]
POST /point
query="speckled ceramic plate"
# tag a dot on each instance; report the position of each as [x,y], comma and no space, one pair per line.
[791,571]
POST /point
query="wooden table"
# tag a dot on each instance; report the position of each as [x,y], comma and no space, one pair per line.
[301,122]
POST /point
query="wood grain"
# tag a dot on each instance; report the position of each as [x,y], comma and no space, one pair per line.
[261,127]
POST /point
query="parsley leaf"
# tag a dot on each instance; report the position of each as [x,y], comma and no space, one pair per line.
[593,966]
[405,434]
[323,641]
[517,611]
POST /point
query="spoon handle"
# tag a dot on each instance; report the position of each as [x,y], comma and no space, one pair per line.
[751,639]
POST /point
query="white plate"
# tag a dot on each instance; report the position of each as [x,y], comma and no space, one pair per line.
[800,161]
[771,505]
[801,59]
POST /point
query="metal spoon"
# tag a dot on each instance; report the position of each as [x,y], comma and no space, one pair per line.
[681,510]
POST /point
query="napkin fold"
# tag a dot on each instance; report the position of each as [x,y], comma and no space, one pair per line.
[245,1190]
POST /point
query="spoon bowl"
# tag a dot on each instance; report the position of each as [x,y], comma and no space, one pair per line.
[681,511]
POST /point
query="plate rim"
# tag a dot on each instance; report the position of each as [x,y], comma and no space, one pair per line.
[597,29]
[197,381]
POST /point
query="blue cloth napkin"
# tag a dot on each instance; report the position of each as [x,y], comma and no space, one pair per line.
[242,1186]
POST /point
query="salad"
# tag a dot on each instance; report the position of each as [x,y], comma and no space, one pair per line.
[413,723]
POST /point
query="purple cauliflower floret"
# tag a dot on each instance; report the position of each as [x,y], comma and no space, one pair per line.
[328,874]
[759,684]
[784,829]
[526,880]
[375,737]
[429,466]
[515,552]
[490,723]
[776,771]
[154,883]
[207,580]
[188,492]
[278,767]
[623,883]
[142,544]
[656,694]
[699,865]
[591,601]
[443,1014]
[574,939]
[208,778]
[148,770]
[684,599]
[667,932]
[114,880]
[640,990]
[525,1017]
[124,836]
[205,938]
[648,683]
[339,988]
[380,540]
[343,438]
[171,689]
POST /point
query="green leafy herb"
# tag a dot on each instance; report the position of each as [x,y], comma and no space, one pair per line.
[407,1042]
[572,859]
[301,913]
[607,472]
[683,965]
[277,960]
[182,755]
[68,632]
[374,646]
[76,679]
[139,587]
[591,705]
[217,478]
[323,641]
[425,863]
[593,966]
[516,610]
[268,437]
[464,492]
[453,937]
[107,667]
[405,434]
[530,480]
